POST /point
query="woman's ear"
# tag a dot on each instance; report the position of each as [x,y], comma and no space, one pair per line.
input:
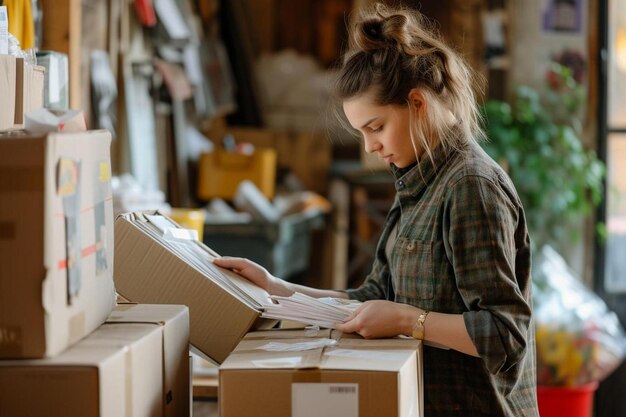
[417,100]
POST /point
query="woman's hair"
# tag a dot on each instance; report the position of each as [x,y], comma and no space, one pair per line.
[393,51]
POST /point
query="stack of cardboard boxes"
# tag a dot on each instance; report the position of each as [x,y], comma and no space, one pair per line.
[65,348]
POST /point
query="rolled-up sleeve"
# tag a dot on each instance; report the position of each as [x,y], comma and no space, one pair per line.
[486,241]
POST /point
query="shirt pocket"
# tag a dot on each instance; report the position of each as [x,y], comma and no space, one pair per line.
[413,268]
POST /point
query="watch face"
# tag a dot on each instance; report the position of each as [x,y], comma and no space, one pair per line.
[418,332]
[418,328]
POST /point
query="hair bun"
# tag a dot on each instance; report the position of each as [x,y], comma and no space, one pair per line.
[373,29]
[380,30]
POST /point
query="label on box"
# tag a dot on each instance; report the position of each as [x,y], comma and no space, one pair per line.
[322,399]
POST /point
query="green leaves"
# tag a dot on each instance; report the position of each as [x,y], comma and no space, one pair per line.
[537,141]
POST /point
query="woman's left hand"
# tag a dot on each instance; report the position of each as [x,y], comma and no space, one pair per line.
[379,318]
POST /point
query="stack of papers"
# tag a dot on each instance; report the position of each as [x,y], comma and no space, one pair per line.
[323,312]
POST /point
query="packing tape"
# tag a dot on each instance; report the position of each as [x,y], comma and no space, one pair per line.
[7,230]
[21,179]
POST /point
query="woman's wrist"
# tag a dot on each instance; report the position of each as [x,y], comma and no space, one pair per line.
[409,318]
[278,286]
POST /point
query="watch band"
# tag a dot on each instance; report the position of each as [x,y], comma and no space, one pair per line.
[419,331]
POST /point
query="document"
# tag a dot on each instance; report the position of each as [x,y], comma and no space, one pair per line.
[322,312]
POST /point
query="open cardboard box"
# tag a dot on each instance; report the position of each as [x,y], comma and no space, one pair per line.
[156,263]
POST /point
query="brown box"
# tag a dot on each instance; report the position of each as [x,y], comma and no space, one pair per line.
[292,373]
[56,241]
[21,85]
[173,320]
[154,264]
[115,371]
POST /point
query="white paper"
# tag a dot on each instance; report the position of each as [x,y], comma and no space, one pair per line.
[180,234]
[43,121]
[323,312]
[283,362]
[54,83]
[297,347]
[324,400]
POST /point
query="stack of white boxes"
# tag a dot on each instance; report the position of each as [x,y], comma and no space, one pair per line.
[65,348]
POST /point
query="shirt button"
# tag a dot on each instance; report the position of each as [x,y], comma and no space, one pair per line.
[410,246]
[400,185]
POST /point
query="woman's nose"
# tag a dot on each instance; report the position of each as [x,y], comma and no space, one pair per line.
[371,145]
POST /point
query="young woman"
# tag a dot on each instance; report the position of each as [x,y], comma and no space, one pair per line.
[453,263]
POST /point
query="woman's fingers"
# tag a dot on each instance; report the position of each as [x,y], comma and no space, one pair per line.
[347,327]
[231,262]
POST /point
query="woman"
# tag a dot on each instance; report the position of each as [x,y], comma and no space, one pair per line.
[453,263]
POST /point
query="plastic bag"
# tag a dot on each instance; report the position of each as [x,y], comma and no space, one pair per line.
[578,339]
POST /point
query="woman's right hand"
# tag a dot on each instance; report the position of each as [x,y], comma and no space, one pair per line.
[254,273]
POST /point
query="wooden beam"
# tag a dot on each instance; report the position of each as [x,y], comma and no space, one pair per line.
[62,33]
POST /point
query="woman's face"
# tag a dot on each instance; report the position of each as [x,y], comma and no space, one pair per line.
[385,129]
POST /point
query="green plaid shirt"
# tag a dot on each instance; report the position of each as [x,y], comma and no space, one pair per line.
[462,247]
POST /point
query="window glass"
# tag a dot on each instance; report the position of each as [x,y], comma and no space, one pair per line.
[615,273]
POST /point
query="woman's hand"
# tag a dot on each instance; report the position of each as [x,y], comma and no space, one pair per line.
[379,318]
[254,273]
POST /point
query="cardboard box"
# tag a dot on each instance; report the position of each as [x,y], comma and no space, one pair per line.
[173,320]
[8,75]
[56,241]
[154,264]
[22,90]
[290,373]
[116,371]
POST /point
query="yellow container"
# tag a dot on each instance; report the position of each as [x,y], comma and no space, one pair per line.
[220,172]
[189,219]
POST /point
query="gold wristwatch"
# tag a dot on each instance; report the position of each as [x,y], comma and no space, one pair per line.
[418,328]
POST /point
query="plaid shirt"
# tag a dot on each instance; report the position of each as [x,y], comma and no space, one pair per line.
[462,247]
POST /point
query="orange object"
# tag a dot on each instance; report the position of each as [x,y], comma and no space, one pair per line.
[145,12]
[220,172]
[190,219]
[566,401]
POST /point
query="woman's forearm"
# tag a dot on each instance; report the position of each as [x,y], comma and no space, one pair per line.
[444,329]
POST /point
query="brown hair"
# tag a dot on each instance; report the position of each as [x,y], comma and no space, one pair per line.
[394,50]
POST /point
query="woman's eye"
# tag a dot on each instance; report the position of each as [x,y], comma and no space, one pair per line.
[378,129]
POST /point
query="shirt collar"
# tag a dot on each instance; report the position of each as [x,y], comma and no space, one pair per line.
[414,178]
